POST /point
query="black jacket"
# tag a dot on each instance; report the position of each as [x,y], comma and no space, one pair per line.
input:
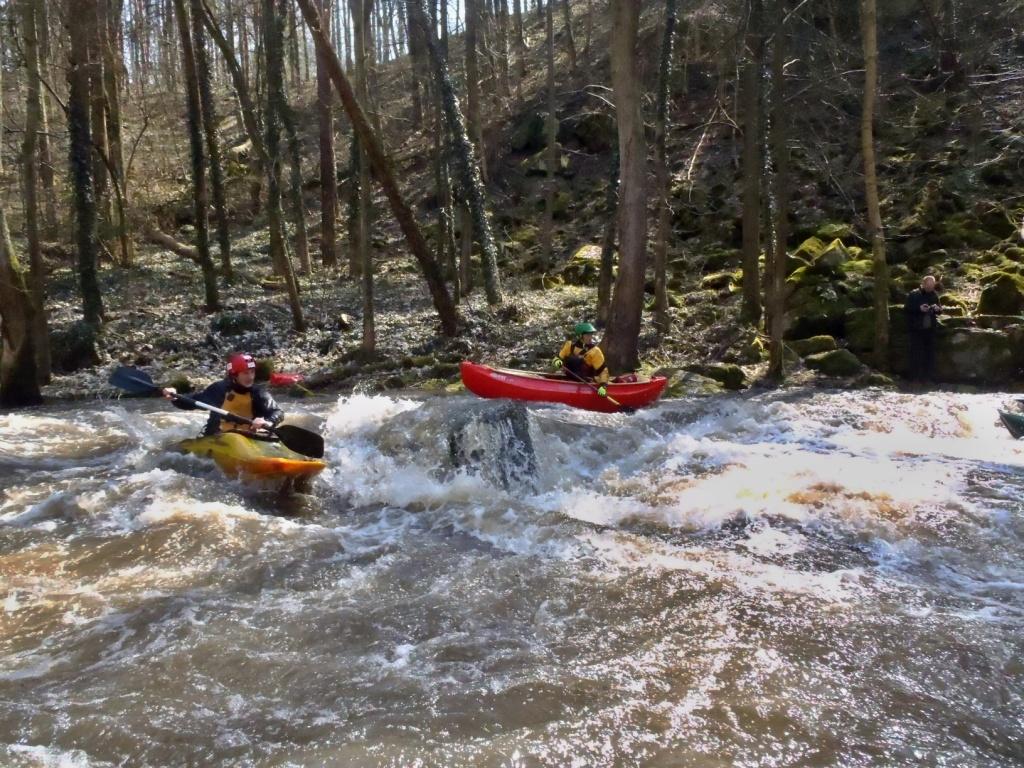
[916,319]
[263,404]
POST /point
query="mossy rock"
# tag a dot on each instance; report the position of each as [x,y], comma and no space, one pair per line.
[962,229]
[834,231]
[833,257]
[721,280]
[526,236]
[529,134]
[816,306]
[728,375]
[837,362]
[977,355]
[1003,294]
[874,379]
[719,259]
[813,346]
[810,249]
[417,361]
[993,322]
[235,323]
[584,266]
[859,267]
[74,348]
[954,305]
[593,131]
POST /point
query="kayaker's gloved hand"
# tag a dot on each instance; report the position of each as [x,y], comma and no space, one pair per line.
[169,392]
[258,423]
[556,363]
[602,392]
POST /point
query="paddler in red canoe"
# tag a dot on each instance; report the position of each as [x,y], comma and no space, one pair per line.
[581,358]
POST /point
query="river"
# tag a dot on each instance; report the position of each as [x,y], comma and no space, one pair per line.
[793,578]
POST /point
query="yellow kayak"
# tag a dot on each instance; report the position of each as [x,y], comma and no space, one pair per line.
[240,455]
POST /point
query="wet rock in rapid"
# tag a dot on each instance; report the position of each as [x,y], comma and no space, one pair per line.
[494,439]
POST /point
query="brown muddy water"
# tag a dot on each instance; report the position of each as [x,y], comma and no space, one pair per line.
[785,579]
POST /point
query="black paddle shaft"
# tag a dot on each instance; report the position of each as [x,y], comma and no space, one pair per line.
[298,439]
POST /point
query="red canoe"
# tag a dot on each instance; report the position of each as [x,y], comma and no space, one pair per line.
[485,381]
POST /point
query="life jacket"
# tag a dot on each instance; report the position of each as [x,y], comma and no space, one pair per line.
[240,404]
[577,361]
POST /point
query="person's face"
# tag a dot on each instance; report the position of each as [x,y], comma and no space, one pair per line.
[587,338]
[246,378]
[928,284]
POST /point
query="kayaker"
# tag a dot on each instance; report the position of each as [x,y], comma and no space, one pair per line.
[237,393]
[582,357]
[921,310]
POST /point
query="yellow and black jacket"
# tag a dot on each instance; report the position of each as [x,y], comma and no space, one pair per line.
[586,362]
[254,403]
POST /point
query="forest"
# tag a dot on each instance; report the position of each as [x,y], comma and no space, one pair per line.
[368,192]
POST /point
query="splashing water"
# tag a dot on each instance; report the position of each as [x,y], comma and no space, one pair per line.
[781,579]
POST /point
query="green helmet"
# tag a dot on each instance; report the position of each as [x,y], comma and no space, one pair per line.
[582,328]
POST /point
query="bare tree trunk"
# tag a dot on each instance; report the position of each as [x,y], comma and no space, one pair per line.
[551,156]
[382,170]
[202,64]
[468,168]
[98,108]
[752,163]
[19,377]
[570,40]
[611,211]
[867,142]
[621,343]
[473,84]
[81,163]
[51,222]
[328,173]
[29,159]
[661,319]
[780,162]
[200,197]
[274,16]
[365,254]
[110,21]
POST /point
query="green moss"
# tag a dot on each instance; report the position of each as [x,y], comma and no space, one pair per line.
[264,367]
[1003,294]
[834,230]
[812,346]
[838,362]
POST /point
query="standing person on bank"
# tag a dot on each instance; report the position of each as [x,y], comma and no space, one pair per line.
[921,311]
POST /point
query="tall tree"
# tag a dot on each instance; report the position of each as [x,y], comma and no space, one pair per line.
[382,170]
[780,163]
[274,15]
[661,321]
[473,83]
[605,271]
[570,40]
[109,27]
[621,342]
[361,9]
[750,88]
[469,170]
[551,156]
[867,142]
[328,172]
[200,197]
[80,153]
[220,207]
[30,161]
[19,379]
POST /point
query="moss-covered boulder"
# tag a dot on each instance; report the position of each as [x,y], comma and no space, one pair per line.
[583,266]
[991,322]
[265,366]
[718,281]
[1003,294]
[593,131]
[728,375]
[834,231]
[976,355]
[813,346]
[817,305]
[528,135]
[74,347]
[837,362]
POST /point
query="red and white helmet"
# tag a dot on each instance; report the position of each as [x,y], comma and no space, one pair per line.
[240,363]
